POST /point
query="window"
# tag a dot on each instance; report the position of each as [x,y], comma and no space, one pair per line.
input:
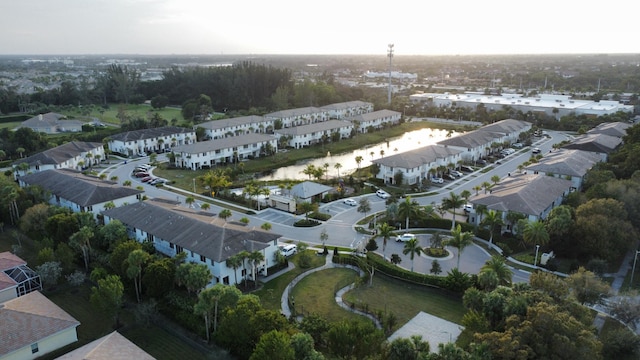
[178,249]
[203,259]
[225,280]
[171,245]
[34,348]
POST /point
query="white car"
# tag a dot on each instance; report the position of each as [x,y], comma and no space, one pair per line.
[467,207]
[437,180]
[536,151]
[288,250]
[382,194]
[405,237]
[350,202]
[455,173]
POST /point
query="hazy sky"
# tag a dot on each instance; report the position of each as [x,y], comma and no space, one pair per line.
[316,27]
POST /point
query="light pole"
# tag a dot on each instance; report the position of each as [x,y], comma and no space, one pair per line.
[390,55]
[194,185]
[633,270]
[535,261]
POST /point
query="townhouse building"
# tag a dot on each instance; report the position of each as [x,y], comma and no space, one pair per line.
[72,155]
[81,193]
[308,135]
[344,110]
[218,129]
[416,165]
[299,116]
[144,141]
[204,237]
[224,150]
[375,120]
[569,164]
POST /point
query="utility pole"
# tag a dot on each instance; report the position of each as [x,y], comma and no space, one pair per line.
[390,55]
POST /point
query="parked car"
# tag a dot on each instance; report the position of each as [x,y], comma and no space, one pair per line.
[157,181]
[456,173]
[517,145]
[288,250]
[466,168]
[449,177]
[147,179]
[536,151]
[141,174]
[437,180]
[382,194]
[467,207]
[405,237]
[482,162]
[350,202]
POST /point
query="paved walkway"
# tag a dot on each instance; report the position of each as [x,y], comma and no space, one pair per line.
[329,264]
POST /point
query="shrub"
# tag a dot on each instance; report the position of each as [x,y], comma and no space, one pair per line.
[306,223]
[76,278]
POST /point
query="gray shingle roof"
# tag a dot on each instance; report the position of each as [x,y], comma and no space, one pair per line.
[471,139]
[237,121]
[417,157]
[507,126]
[294,112]
[599,143]
[59,154]
[345,105]
[566,162]
[315,127]
[149,133]
[373,115]
[78,188]
[50,119]
[617,129]
[200,232]
[523,193]
[307,189]
[224,143]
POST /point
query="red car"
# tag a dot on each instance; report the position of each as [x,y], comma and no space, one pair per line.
[148,178]
[141,175]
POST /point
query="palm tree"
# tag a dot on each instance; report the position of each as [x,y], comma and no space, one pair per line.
[358,161]
[326,170]
[244,255]
[408,209]
[535,233]
[255,258]
[234,263]
[486,186]
[459,240]
[384,230]
[307,207]
[465,194]
[205,206]
[494,273]
[492,220]
[224,214]
[495,179]
[412,247]
[477,188]
[337,166]
[453,202]
[190,200]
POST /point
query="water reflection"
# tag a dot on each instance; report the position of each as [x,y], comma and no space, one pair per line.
[409,141]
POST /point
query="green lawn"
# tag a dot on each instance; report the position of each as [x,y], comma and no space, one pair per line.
[406,300]
[271,292]
[316,294]
[110,115]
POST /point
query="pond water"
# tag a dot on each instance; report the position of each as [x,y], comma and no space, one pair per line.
[409,141]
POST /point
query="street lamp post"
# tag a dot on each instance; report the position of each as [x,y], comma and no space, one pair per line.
[535,261]
[390,55]
[194,185]
[633,270]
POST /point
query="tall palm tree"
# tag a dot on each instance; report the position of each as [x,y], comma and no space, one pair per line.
[408,209]
[452,203]
[492,220]
[486,186]
[477,189]
[412,247]
[494,273]
[459,240]
[337,166]
[495,179]
[358,161]
[384,230]
[255,258]
[535,233]
[465,194]
[234,262]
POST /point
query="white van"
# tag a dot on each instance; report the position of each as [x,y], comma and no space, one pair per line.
[288,250]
